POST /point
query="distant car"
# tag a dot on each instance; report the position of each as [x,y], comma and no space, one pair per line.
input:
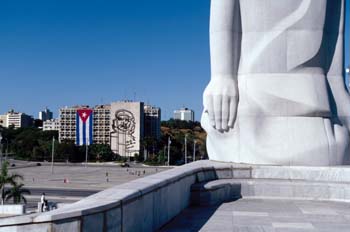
[125,165]
[13,165]
[38,164]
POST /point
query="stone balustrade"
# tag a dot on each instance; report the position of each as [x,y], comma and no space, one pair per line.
[148,203]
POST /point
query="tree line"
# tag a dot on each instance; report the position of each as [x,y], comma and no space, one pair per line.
[176,130]
[34,144]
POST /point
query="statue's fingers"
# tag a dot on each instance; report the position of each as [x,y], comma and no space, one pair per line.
[233,112]
[218,112]
[225,112]
[210,109]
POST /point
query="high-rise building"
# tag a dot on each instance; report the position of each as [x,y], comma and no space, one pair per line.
[184,114]
[16,119]
[122,125]
[127,127]
[51,125]
[102,120]
[67,117]
[101,123]
[45,115]
[152,121]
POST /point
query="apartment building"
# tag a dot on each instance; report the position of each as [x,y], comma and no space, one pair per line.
[16,119]
[101,123]
[102,120]
[45,115]
[152,121]
[51,125]
[184,114]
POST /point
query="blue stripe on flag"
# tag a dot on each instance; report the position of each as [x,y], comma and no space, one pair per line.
[91,128]
[84,133]
[77,130]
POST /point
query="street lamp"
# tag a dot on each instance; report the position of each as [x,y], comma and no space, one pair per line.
[1,148]
[52,153]
[194,150]
[169,143]
[186,149]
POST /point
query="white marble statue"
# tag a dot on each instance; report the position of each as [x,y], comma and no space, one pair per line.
[277,94]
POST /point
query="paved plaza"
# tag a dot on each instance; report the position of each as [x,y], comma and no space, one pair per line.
[71,183]
[96,177]
[265,215]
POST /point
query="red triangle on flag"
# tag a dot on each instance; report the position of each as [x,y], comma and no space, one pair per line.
[84,114]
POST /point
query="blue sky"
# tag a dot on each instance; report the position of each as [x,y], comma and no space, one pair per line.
[62,52]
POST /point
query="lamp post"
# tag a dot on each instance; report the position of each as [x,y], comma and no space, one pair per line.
[186,149]
[169,142]
[52,153]
[194,150]
[1,148]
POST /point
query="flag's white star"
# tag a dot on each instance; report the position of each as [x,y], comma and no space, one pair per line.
[84,115]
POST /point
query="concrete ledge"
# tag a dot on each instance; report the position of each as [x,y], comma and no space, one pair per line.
[12,209]
[214,192]
[148,203]
[218,191]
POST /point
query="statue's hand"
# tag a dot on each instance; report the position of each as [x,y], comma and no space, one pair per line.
[220,101]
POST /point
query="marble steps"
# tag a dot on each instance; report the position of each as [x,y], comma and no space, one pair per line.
[223,190]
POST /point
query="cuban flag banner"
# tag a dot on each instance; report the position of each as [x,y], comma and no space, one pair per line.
[84,127]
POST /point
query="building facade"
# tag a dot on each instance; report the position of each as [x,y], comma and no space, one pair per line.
[122,125]
[184,114]
[101,123]
[51,125]
[16,119]
[45,115]
[152,121]
[102,119]
[127,127]
[67,118]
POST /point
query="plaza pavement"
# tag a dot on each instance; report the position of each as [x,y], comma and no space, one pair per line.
[92,177]
[264,215]
[71,183]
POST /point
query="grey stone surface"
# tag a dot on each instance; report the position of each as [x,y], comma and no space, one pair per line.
[255,215]
[218,191]
[44,227]
[113,220]
[12,209]
[242,173]
[137,215]
[214,192]
[155,200]
[224,173]
[93,223]
[277,93]
[70,225]
[331,174]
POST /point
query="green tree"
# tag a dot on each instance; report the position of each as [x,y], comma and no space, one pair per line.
[101,152]
[17,192]
[6,178]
